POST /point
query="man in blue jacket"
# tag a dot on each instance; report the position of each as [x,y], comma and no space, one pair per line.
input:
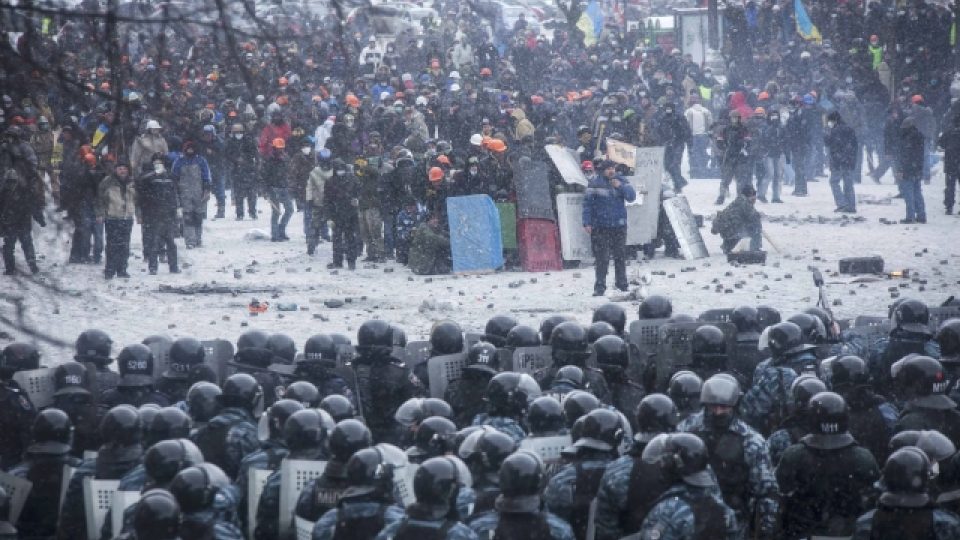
[605,220]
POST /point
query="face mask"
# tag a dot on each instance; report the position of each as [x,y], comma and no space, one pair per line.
[831,124]
[849,80]
[340,172]
[158,168]
[238,136]
[774,119]
[720,422]
[305,150]
[474,170]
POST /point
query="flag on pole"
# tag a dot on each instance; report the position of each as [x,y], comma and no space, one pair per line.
[99,134]
[591,23]
[805,26]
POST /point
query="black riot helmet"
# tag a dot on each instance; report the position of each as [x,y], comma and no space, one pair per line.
[18,356]
[320,348]
[446,337]
[802,389]
[812,330]
[545,416]
[721,389]
[681,455]
[241,390]
[399,336]
[548,324]
[611,352]
[277,415]
[783,339]
[165,459]
[684,389]
[437,482]
[156,516]
[678,318]
[570,375]
[906,477]
[656,307]
[569,344]
[347,437]
[912,316]
[656,414]
[416,410]
[338,407]
[577,404]
[307,430]
[824,318]
[196,487]
[135,364]
[497,329]
[94,346]
[304,392]
[375,337]
[185,353]
[598,329]
[602,429]
[767,316]
[120,426]
[522,477]
[283,347]
[435,436]
[252,350]
[203,401]
[848,372]
[167,423]
[509,393]
[921,379]
[483,358]
[746,319]
[829,420]
[522,335]
[484,450]
[612,314]
[52,433]
[253,339]
[370,471]
[948,337]
[709,349]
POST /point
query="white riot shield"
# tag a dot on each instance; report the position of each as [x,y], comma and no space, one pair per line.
[121,501]
[17,490]
[685,226]
[567,164]
[97,499]
[574,241]
[530,359]
[403,483]
[89,455]
[644,213]
[548,448]
[642,343]
[65,482]
[295,474]
[417,352]
[443,369]
[304,528]
[256,479]
[38,384]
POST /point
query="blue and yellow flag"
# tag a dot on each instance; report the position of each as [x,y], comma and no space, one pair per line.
[591,23]
[805,26]
[99,134]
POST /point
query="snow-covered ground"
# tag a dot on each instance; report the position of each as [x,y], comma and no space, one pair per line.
[805,230]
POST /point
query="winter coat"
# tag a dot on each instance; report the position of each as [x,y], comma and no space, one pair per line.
[842,146]
[157,197]
[341,198]
[910,152]
[269,133]
[240,160]
[368,178]
[275,172]
[143,149]
[42,143]
[950,142]
[193,182]
[116,199]
[429,251]
[732,219]
[21,191]
[524,127]
[315,185]
[603,204]
[298,174]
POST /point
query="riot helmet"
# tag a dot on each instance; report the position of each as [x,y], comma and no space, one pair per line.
[241,390]
[906,478]
[165,459]
[598,329]
[252,350]
[681,455]
[848,372]
[802,389]
[446,337]
[571,376]
[829,418]
[203,401]
[196,487]
[522,477]
[545,416]
[719,396]
[577,404]
[338,407]
[497,329]
[783,339]
[483,358]
[185,353]
[912,316]
[121,427]
[684,389]
[602,430]
[167,423]
[369,471]
[812,331]
[569,344]
[321,349]
[18,356]
[611,352]
[156,516]
[283,347]
[51,434]
[348,437]
[612,314]
[375,337]
[509,393]
[548,324]
[921,380]
[434,437]
[484,451]
[275,418]
[94,346]
[948,337]
[746,319]
[437,482]
[416,410]
[522,335]
[306,430]
[656,307]
[304,392]
[709,349]
[656,414]
[135,364]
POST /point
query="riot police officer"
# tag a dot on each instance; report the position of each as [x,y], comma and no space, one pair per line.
[319,361]
[548,324]
[545,417]
[484,451]
[942,454]
[71,383]
[232,434]
[746,354]
[598,329]
[465,394]
[684,389]
[19,412]
[383,382]
[764,405]
[921,383]
[576,405]
[738,455]
[797,422]
[872,418]
[416,410]
[164,424]
[306,393]
[338,407]
[655,307]
[613,359]
[567,379]
[434,516]
[135,386]
[366,507]
[497,329]
[825,477]
[185,356]
[42,465]
[156,516]
[518,514]
[948,338]
[283,347]
[446,337]
[521,335]
[631,486]
[434,437]
[94,346]
[322,494]
[508,396]
[690,507]
[911,335]
[612,314]
[202,402]
[121,451]
[568,344]
[570,492]
[208,503]
[709,351]
[254,357]
[905,508]
[306,433]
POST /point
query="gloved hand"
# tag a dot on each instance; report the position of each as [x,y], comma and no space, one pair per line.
[180,213]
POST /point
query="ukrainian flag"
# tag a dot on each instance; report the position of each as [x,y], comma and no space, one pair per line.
[99,134]
[591,23]
[805,26]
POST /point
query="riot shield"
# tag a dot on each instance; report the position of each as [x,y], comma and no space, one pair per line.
[530,359]
[403,483]
[685,226]
[295,474]
[256,479]
[939,315]
[65,482]
[675,350]
[443,369]
[38,384]
[97,499]
[574,241]
[345,354]
[469,338]
[548,448]
[160,347]
[417,352]
[642,343]
[643,214]
[532,182]
[870,328]
[304,528]
[121,501]
[744,359]
[17,490]
[217,353]
[716,315]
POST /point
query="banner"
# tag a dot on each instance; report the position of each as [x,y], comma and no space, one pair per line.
[623,153]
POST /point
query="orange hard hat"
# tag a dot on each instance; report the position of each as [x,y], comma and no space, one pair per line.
[443,159]
[435,174]
[763,95]
[105,87]
[283,81]
[586,94]
[536,100]
[496,145]
[917,98]
[760,111]
[279,143]
[282,100]
[352,100]
[485,72]
[90,159]
[573,96]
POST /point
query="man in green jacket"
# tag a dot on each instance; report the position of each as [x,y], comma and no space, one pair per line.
[429,249]
[738,221]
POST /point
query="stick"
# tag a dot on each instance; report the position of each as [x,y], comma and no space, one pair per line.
[770,241]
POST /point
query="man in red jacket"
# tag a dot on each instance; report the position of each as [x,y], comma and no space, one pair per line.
[278,128]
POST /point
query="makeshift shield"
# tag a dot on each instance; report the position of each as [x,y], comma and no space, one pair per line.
[685,226]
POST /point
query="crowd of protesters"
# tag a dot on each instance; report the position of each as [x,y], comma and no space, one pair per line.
[367,134]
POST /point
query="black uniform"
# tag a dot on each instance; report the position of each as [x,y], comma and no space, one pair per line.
[18,415]
[158,200]
[383,384]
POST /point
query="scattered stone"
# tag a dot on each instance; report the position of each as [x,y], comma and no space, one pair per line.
[576,275]
[244,324]
[671,276]
[287,306]
[389,270]
[728,291]
[238,273]
[334,272]
[728,274]
[837,302]
[333,303]
[921,288]
[788,276]
[533,280]
[225,318]
[171,326]
[321,317]
[410,278]
[895,294]
[428,280]
[489,306]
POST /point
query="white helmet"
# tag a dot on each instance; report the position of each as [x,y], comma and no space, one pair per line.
[153,124]
[476,139]
[454,74]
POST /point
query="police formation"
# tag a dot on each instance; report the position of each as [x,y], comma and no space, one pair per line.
[739,424]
